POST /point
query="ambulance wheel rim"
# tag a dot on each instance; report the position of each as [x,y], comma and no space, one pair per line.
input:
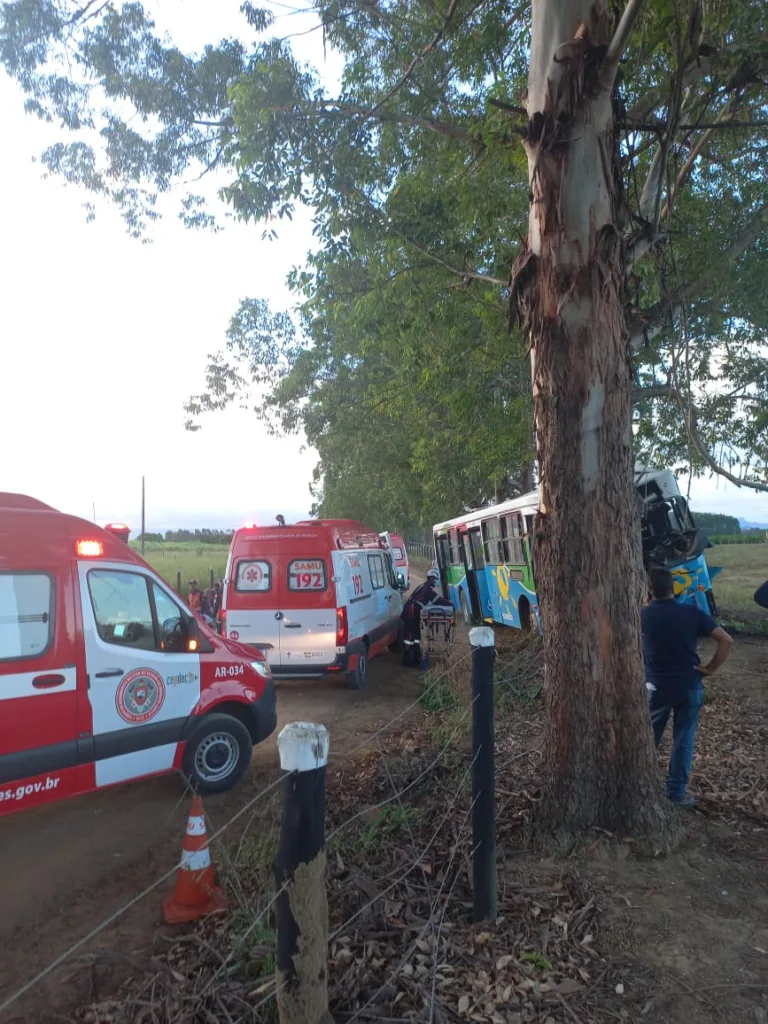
[217,757]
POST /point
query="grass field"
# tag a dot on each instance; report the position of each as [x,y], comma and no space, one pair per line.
[193,560]
[745,567]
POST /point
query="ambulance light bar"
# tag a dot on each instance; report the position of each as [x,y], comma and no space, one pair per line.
[89,548]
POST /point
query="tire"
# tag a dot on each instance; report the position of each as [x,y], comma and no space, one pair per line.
[466,614]
[357,678]
[524,607]
[217,754]
[398,645]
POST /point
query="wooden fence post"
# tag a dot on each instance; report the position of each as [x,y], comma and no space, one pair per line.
[483,783]
[302,901]
[178,582]
[212,580]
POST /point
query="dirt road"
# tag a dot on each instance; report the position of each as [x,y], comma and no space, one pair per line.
[66,867]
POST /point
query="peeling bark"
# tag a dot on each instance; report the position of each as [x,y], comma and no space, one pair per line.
[568,291]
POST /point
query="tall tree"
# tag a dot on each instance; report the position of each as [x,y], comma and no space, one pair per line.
[643,127]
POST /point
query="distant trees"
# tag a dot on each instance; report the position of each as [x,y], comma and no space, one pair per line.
[715,523]
[204,536]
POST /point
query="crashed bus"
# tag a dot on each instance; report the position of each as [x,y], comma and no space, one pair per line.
[486,556]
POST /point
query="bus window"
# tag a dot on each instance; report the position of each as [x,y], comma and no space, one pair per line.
[443,555]
[529,521]
[492,541]
[467,551]
[453,543]
[477,548]
[514,553]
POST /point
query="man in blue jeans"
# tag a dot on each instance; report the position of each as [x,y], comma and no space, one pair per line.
[673,674]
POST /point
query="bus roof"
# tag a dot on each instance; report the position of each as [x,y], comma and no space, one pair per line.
[663,479]
[524,503]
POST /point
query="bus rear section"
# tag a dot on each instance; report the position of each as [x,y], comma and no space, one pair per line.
[280,597]
[485,559]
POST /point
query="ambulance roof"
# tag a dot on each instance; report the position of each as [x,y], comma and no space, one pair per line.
[335,533]
[34,535]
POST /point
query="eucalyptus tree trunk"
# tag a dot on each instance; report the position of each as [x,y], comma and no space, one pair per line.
[568,290]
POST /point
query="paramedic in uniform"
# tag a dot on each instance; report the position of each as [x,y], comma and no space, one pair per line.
[423,595]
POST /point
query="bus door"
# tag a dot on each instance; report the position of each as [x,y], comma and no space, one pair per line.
[469,567]
[478,561]
[529,521]
[443,563]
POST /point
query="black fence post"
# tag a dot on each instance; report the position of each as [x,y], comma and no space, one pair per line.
[212,580]
[483,783]
[302,901]
[178,582]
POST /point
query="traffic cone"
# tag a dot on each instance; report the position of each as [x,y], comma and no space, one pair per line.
[195,893]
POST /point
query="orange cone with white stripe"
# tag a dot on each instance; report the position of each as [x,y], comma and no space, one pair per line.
[195,893]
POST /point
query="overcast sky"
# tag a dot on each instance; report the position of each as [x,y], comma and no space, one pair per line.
[103,339]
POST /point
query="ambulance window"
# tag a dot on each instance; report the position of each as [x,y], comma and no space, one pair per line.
[166,608]
[26,615]
[253,576]
[398,555]
[391,578]
[121,608]
[378,575]
[306,574]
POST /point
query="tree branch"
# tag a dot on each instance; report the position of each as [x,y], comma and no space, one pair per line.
[649,323]
[332,108]
[471,275]
[621,38]
[503,105]
[690,415]
[435,41]
[660,126]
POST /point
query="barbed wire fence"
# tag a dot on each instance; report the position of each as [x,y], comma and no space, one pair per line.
[173,996]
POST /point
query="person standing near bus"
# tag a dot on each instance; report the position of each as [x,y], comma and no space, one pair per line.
[673,673]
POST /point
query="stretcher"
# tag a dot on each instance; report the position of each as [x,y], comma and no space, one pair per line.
[438,626]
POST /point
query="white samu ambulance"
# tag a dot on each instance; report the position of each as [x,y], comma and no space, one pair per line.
[316,596]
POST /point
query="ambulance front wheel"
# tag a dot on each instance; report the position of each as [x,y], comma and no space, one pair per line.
[356,679]
[217,755]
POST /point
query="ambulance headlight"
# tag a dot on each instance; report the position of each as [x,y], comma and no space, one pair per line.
[262,667]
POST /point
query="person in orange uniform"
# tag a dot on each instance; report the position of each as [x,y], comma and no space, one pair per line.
[195,598]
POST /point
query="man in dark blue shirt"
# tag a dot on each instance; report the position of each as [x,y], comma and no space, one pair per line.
[761,595]
[673,674]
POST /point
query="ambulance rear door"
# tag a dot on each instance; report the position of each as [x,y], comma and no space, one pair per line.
[253,593]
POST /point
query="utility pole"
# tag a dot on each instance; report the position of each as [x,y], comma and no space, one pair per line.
[143,519]
[93,506]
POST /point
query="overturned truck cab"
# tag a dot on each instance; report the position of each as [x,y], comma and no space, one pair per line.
[671,539]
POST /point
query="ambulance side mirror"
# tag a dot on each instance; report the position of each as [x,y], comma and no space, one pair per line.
[195,641]
[174,635]
[401,584]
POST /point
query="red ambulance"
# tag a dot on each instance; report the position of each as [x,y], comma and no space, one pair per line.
[317,596]
[396,546]
[105,676]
